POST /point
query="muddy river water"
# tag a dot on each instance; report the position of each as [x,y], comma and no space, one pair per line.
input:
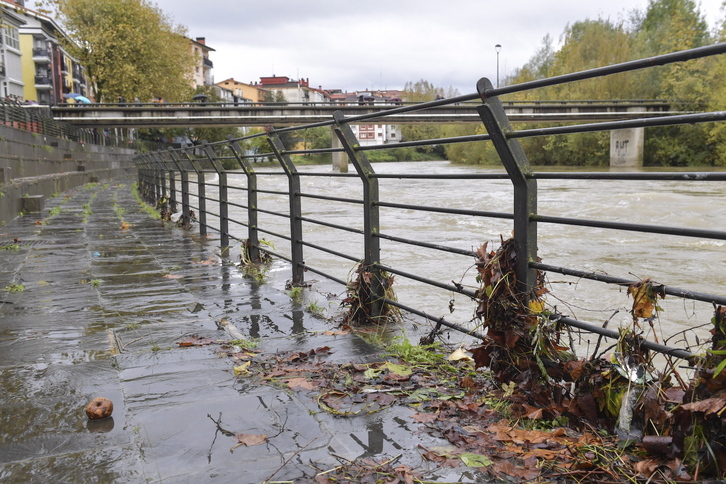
[683,262]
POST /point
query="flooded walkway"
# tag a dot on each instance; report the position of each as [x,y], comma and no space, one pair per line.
[95,295]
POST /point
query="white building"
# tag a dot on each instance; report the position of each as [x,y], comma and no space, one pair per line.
[11,67]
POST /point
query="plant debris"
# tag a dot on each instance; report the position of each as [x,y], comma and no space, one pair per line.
[365,306]
[521,406]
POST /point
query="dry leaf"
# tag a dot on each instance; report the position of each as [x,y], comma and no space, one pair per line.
[302,383]
[251,439]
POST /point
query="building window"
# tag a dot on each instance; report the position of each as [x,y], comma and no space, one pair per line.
[12,39]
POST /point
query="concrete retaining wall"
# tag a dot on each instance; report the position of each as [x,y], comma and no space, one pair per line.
[36,165]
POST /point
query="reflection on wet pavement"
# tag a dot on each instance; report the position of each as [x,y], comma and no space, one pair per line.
[97,310]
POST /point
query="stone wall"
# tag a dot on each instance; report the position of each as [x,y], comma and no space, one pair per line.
[35,166]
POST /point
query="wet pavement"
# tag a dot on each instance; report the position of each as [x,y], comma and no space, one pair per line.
[95,299]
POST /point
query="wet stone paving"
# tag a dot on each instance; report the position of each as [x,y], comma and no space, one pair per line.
[94,297]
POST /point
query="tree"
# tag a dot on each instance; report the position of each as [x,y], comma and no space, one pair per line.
[424,91]
[128,47]
[274,97]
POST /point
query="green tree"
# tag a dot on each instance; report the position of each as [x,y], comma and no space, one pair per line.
[669,26]
[128,47]
[424,91]
[274,97]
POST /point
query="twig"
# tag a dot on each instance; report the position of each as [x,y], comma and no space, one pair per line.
[219,427]
[291,458]
[599,340]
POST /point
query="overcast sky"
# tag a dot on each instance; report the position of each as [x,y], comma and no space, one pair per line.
[382,44]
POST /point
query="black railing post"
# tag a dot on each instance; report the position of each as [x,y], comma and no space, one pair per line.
[371,217]
[296,233]
[169,168]
[141,173]
[184,187]
[201,191]
[160,175]
[150,190]
[525,188]
[156,173]
[223,205]
[252,232]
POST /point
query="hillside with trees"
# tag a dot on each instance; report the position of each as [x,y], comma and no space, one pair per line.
[665,26]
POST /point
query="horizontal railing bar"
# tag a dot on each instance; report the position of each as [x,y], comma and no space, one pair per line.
[444,176]
[330,174]
[314,151]
[275,254]
[656,176]
[334,199]
[593,276]
[319,272]
[332,225]
[270,173]
[284,237]
[428,142]
[441,321]
[615,125]
[238,205]
[659,60]
[330,251]
[232,187]
[430,282]
[270,212]
[457,211]
[443,248]
[243,224]
[272,192]
[632,227]
[610,333]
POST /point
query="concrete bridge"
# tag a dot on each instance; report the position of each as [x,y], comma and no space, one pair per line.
[154,115]
[626,145]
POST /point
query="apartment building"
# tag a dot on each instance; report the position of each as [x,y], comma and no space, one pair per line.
[202,74]
[293,91]
[246,92]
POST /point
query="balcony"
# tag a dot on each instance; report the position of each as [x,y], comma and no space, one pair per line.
[43,83]
[207,62]
[41,56]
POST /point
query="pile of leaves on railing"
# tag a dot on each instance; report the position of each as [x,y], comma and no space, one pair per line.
[679,427]
[168,212]
[361,300]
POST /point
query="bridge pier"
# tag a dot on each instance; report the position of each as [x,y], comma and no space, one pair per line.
[626,147]
[340,158]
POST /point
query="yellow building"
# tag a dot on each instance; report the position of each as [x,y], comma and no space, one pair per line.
[48,72]
[247,91]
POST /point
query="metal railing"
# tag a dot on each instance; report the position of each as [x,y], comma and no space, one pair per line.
[38,119]
[161,172]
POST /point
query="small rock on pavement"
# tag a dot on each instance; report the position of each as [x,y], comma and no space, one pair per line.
[99,408]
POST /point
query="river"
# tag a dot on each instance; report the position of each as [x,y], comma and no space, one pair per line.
[682,262]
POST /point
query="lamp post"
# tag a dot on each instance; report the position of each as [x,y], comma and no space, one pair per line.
[498,47]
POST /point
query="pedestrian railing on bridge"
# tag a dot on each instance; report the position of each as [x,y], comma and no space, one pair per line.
[194,178]
[38,119]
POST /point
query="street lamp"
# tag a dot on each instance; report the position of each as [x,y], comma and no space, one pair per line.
[498,47]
